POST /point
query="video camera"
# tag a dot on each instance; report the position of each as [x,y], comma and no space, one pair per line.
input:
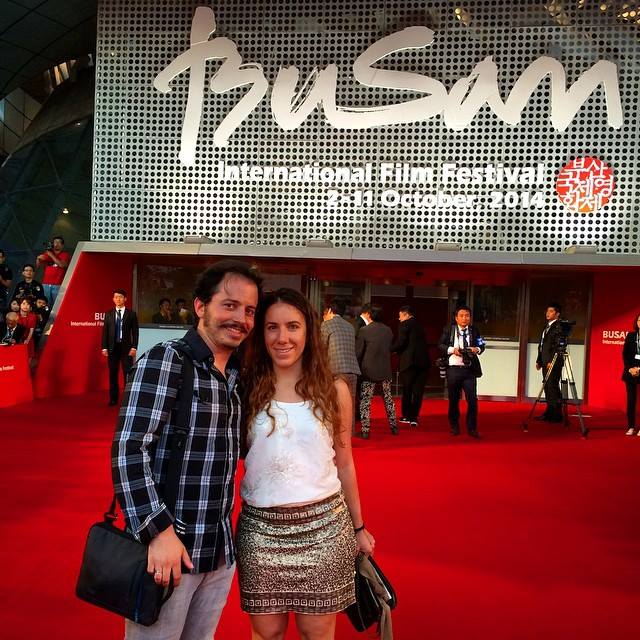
[565,331]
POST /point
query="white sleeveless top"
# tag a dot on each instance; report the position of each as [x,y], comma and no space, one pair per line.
[293,465]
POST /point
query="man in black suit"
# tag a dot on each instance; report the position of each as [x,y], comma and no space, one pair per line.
[461,344]
[364,318]
[547,348]
[119,341]
[411,346]
[373,350]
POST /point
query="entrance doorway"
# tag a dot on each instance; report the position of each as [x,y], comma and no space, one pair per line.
[432,313]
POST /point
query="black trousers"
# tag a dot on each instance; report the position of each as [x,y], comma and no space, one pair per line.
[413,381]
[462,379]
[118,358]
[632,394]
[552,392]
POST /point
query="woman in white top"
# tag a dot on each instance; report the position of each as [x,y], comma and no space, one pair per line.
[301,526]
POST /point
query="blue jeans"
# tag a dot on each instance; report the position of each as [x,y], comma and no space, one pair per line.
[51,292]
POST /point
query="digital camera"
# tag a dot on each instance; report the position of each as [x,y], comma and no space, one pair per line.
[466,355]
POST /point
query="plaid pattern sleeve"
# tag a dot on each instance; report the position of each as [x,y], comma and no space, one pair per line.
[148,400]
[340,337]
[140,452]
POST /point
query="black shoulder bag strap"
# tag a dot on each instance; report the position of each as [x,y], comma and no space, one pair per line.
[181,430]
[179,436]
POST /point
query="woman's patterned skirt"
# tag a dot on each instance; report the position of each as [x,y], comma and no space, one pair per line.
[299,559]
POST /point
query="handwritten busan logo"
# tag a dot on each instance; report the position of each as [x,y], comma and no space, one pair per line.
[585,185]
[291,105]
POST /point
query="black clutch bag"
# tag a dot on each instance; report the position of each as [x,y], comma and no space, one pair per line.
[114,575]
[372,590]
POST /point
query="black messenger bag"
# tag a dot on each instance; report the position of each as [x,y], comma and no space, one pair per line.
[113,574]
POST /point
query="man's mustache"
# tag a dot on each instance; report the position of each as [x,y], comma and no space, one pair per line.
[234,325]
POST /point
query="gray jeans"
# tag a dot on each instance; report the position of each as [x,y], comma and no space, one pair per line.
[192,612]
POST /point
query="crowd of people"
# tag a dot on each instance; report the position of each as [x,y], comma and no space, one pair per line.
[28,302]
[362,355]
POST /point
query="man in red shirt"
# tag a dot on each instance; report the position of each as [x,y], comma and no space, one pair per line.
[55,260]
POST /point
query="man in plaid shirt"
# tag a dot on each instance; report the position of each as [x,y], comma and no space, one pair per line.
[198,535]
[340,338]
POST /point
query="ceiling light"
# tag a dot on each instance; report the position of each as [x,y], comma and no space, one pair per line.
[197,240]
[582,248]
[318,242]
[448,246]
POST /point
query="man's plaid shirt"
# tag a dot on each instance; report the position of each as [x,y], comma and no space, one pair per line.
[140,456]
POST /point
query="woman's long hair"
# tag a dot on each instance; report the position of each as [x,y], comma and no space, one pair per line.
[317,383]
[635,324]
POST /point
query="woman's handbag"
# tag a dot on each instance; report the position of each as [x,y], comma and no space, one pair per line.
[375,598]
[113,574]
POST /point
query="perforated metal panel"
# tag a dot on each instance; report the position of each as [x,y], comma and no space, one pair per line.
[142,192]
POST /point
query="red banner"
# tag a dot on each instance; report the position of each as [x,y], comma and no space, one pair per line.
[612,314]
[72,361]
[15,379]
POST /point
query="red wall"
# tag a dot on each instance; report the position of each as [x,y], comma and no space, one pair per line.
[614,309]
[72,361]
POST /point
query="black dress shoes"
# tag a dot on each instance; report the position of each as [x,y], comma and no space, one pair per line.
[543,417]
[454,431]
[404,420]
[474,434]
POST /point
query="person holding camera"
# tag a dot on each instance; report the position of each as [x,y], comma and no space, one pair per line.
[461,344]
[548,347]
[631,374]
[55,260]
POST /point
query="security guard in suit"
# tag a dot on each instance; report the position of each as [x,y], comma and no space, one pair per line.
[119,341]
[547,348]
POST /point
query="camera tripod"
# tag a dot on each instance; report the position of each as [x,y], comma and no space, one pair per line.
[571,383]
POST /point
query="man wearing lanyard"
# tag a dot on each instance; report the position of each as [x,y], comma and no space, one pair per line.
[461,344]
[119,341]
[547,349]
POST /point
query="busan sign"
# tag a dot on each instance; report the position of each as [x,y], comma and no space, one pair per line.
[291,106]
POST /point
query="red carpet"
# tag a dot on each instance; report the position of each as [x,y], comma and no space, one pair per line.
[517,536]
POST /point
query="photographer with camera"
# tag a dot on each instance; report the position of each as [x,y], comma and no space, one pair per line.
[551,343]
[461,344]
[631,374]
[55,260]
